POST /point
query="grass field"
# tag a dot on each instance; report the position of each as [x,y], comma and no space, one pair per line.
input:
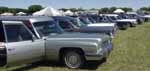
[131,53]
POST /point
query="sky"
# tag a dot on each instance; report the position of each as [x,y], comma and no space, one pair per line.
[135,4]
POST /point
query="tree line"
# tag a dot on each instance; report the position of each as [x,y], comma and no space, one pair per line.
[33,8]
[102,10]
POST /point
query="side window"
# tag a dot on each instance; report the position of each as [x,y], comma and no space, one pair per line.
[2,37]
[17,32]
[46,28]
[65,25]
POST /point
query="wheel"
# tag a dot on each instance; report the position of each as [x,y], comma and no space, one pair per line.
[124,27]
[104,59]
[139,21]
[132,25]
[74,59]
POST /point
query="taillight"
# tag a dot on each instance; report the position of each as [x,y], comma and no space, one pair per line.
[29,24]
[2,45]
[2,49]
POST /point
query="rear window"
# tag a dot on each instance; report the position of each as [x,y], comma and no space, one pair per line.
[113,18]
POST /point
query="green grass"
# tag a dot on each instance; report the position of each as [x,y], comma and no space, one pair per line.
[131,53]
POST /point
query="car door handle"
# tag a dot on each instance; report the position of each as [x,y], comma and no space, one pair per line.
[11,49]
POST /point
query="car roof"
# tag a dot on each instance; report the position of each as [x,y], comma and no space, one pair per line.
[12,22]
[25,18]
[62,17]
[110,14]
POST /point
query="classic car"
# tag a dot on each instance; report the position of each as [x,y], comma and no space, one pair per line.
[84,26]
[122,20]
[116,19]
[146,17]
[134,15]
[26,40]
[126,18]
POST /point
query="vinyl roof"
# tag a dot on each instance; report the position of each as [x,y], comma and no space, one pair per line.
[24,18]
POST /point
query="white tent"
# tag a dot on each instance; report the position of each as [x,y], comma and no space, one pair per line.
[7,14]
[118,11]
[62,12]
[48,11]
[21,13]
[68,12]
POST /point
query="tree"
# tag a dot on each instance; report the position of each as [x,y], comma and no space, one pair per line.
[16,10]
[63,9]
[104,10]
[81,9]
[146,9]
[127,9]
[73,9]
[93,9]
[112,9]
[34,8]
[3,9]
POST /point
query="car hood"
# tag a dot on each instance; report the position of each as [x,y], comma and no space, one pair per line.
[127,20]
[99,28]
[79,37]
[102,24]
[146,16]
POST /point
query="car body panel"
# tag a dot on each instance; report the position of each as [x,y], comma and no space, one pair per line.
[19,52]
[107,28]
[48,46]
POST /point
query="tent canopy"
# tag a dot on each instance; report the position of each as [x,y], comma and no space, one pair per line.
[7,14]
[119,11]
[21,13]
[68,12]
[48,11]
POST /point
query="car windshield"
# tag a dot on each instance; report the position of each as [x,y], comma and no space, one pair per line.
[132,16]
[124,16]
[78,22]
[91,20]
[118,17]
[113,18]
[75,22]
[46,28]
[85,20]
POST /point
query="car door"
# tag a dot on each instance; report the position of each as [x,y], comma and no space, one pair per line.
[22,46]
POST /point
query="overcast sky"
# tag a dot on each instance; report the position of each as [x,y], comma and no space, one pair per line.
[76,3]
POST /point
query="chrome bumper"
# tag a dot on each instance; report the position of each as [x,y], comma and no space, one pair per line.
[100,54]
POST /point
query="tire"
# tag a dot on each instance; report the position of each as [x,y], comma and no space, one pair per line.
[132,25]
[139,22]
[104,59]
[74,59]
[123,27]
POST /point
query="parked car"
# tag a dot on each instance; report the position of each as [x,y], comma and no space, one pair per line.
[122,20]
[126,18]
[133,15]
[146,17]
[116,19]
[30,39]
[81,26]
[107,27]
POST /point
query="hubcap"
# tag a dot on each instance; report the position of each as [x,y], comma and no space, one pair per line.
[73,60]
